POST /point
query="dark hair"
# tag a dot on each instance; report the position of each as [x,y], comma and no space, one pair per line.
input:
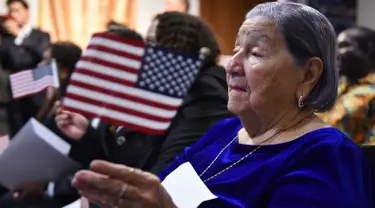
[66,54]
[186,33]
[113,24]
[24,3]
[307,33]
[124,31]
[365,38]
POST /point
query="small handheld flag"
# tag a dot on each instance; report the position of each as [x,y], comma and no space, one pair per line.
[31,81]
[130,84]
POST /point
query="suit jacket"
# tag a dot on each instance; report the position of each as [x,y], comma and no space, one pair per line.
[15,58]
[27,55]
[204,105]
[5,96]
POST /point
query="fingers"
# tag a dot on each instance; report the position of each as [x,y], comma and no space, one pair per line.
[58,107]
[16,195]
[98,185]
[62,119]
[123,173]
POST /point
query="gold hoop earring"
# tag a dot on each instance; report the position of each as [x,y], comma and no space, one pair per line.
[300,102]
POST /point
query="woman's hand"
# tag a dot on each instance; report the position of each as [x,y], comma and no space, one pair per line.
[73,125]
[111,185]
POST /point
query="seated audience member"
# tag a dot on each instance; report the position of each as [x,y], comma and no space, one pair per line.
[204,105]
[66,55]
[276,153]
[354,111]
[32,194]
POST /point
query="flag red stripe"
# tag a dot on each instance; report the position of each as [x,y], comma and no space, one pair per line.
[122,95]
[115,52]
[109,64]
[29,93]
[120,39]
[105,77]
[19,91]
[118,122]
[117,108]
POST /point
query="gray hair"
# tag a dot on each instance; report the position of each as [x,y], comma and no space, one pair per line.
[307,33]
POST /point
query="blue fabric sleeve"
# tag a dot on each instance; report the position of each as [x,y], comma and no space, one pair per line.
[312,182]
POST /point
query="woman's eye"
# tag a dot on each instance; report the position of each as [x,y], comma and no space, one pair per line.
[256,54]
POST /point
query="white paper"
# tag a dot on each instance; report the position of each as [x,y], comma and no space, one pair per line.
[186,188]
[35,154]
[76,204]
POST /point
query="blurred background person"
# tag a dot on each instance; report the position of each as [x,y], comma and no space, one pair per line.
[354,111]
[177,6]
[22,47]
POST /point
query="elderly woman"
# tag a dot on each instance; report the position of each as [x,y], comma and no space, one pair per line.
[276,153]
[354,111]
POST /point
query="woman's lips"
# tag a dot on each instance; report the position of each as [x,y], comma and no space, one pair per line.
[236,88]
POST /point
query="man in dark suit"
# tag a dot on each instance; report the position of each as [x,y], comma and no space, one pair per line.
[22,47]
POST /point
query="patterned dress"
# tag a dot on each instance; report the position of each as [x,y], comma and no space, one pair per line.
[354,111]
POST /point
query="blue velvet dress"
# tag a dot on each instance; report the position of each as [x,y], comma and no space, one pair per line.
[322,169]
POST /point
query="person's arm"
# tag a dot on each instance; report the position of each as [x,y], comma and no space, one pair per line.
[30,52]
[91,146]
[205,105]
[47,103]
[326,176]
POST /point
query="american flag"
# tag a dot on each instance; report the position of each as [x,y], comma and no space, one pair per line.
[31,81]
[130,84]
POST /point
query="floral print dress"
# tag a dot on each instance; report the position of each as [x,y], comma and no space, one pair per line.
[354,111]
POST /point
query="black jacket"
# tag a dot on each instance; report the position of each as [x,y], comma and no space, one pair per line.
[19,57]
[205,104]
[27,55]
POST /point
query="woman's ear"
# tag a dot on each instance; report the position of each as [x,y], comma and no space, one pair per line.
[312,72]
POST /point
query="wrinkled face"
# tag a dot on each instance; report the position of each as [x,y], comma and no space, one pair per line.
[175,6]
[18,13]
[355,63]
[262,76]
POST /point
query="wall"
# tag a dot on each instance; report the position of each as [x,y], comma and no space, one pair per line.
[147,9]
[365,13]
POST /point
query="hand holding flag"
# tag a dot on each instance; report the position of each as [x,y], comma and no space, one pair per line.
[131,84]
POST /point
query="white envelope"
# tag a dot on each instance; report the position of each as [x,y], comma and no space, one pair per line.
[186,188]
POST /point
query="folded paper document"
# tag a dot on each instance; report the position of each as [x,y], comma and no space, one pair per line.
[35,154]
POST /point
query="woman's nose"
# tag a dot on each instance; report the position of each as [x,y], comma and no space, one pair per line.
[235,65]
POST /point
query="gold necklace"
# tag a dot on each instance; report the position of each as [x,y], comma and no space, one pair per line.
[244,157]
[235,163]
